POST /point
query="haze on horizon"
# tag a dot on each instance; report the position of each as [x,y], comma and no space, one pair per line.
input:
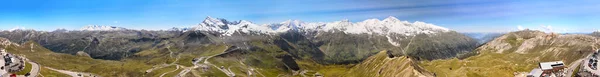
[459,15]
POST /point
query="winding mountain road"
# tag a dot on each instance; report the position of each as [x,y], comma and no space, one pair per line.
[571,69]
[229,73]
[188,69]
[169,71]
[35,69]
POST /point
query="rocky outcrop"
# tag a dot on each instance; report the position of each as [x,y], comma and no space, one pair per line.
[596,34]
[381,65]
[526,41]
[5,42]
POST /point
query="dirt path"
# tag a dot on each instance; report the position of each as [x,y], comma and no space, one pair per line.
[169,71]
[165,65]
[185,71]
[188,69]
[229,73]
[157,67]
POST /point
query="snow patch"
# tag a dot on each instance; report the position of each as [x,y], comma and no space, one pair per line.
[392,41]
[17,28]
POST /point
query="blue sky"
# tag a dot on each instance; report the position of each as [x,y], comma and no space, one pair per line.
[459,15]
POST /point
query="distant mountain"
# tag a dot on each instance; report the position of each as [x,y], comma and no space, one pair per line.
[101,28]
[390,25]
[483,37]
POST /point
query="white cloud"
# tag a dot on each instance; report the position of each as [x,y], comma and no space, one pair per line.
[547,28]
[520,27]
[17,28]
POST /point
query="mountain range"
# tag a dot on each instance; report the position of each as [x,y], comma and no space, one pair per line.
[288,48]
[113,43]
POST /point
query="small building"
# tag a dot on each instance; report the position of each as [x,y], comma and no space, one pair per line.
[549,67]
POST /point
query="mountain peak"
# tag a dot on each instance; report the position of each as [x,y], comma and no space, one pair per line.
[345,20]
[214,21]
[374,20]
[390,19]
[101,28]
[210,18]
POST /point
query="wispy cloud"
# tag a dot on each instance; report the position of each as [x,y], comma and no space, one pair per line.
[547,28]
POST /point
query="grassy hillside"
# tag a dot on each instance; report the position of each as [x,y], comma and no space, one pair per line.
[514,52]
[79,63]
[45,72]
[134,66]
[384,65]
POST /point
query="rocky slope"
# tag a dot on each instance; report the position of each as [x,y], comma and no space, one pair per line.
[596,34]
[516,52]
[384,64]
[111,45]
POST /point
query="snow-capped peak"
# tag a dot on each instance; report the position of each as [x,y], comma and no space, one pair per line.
[214,21]
[288,25]
[386,26]
[245,22]
[101,28]
[391,19]
[228,28]
[16,28]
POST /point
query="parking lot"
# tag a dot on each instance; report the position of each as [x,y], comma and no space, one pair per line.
[590,65]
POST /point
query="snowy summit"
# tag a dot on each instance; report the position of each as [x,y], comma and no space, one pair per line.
[390,25]
[101,28]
